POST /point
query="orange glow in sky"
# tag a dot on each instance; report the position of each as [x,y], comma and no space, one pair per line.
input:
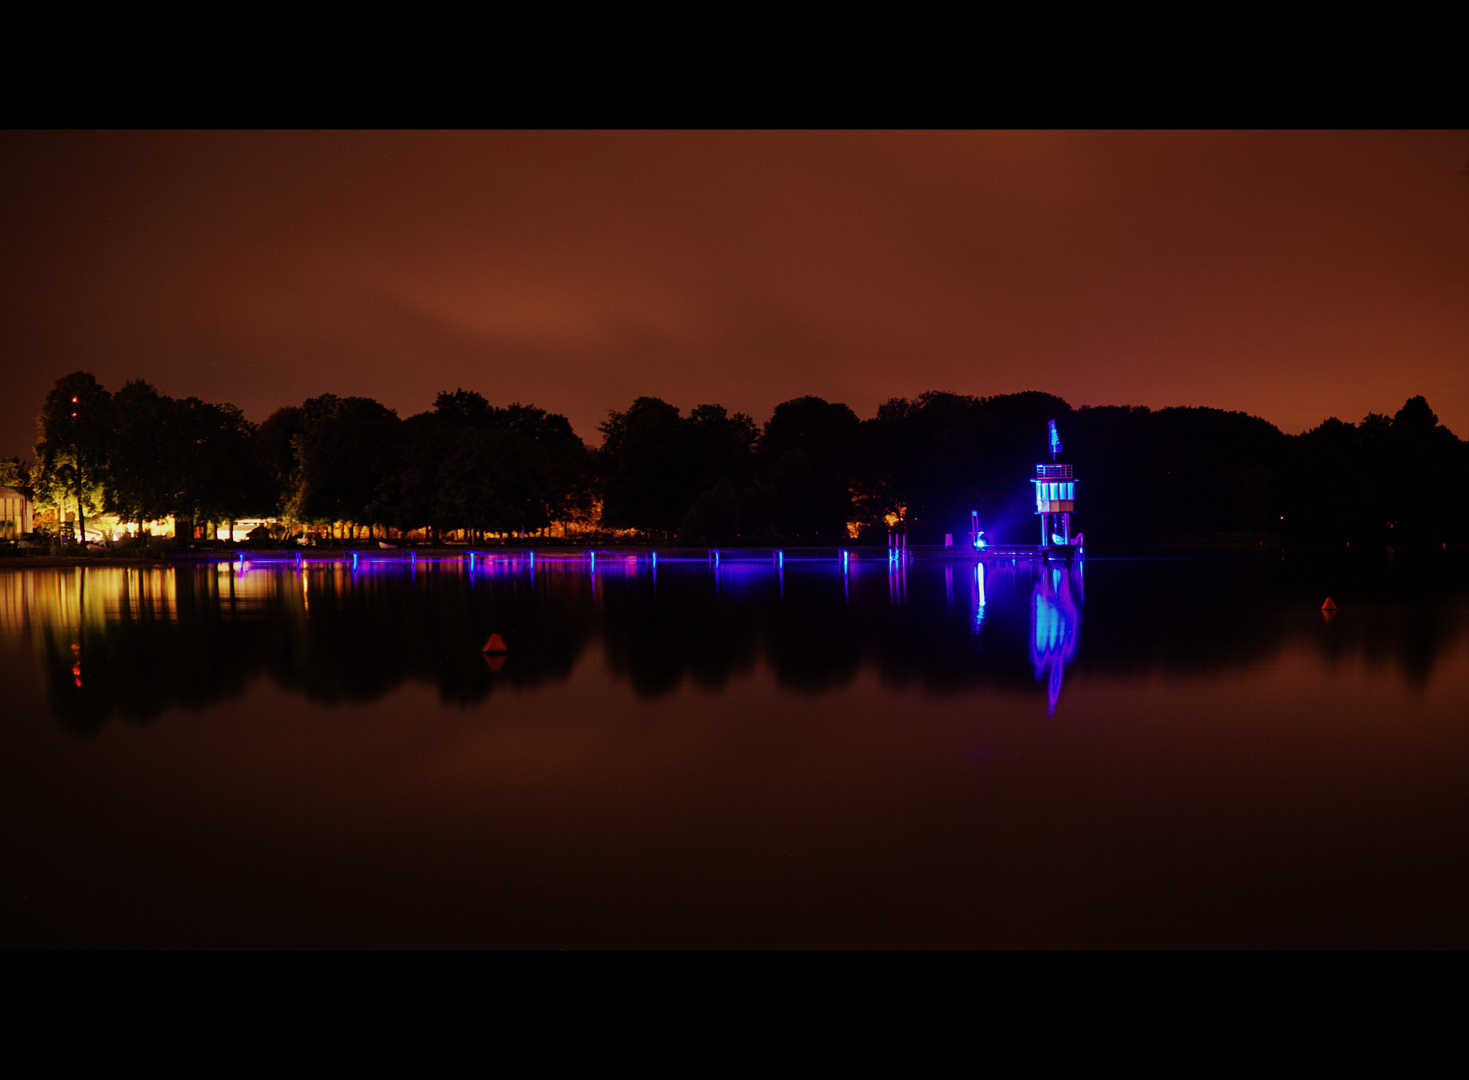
[1291,275]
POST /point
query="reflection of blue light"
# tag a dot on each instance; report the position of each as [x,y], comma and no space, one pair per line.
[354,561]
[655,560]
[978,596]
[1056,624]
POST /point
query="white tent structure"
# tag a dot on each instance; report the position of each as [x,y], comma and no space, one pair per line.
[17,513]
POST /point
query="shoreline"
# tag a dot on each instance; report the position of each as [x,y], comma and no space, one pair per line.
[53,562]
[867,553]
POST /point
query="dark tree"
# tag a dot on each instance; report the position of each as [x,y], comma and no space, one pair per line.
[488,481]
[720,445]
[345,448]
[1427,464]
[221,476]
[563,474]
[468,464]
[808,451]
[276,451]
[511,470]
[720,464]
[144,467]
[409,496]
[462,409]
[644,468]
[75,430]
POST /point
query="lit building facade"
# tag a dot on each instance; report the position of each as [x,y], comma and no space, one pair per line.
[17,513]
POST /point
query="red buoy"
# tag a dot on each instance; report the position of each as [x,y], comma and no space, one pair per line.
[496,644]
[1330,605]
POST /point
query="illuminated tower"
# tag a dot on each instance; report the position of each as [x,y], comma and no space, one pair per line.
[1055,496]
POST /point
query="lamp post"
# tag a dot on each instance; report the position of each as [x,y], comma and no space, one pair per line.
[76,449]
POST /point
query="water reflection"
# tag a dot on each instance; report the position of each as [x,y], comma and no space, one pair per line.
[978,596]
[1055,627]
[112,641]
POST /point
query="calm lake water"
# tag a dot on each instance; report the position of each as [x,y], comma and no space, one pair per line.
[1137,753]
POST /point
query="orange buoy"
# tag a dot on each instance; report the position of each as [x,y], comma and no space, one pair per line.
[1330,605]
[495,644]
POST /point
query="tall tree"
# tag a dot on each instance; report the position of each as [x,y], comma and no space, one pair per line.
[276,451]
[345,448]
[644,467]
[224,478]
[514,469]
[74,430]
[720,445]
[809,449]
[143,466]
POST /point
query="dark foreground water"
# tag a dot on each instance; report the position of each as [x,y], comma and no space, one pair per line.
[1140,753]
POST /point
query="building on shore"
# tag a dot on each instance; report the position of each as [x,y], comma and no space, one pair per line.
[17,513]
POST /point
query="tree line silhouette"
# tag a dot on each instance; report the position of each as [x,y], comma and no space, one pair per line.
[812,473]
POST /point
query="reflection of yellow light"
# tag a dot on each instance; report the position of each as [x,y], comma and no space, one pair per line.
[57,602]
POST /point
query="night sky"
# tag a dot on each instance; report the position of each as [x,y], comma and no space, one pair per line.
[1294,276]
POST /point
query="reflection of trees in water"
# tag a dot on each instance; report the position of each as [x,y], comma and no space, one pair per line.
[656,640]
[1385,632]
[357,636]
[336,636]
[811,635]
[145,656]
[1202,615]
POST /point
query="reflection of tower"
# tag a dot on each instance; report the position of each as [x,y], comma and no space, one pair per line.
[1055,496]
[1055,627]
